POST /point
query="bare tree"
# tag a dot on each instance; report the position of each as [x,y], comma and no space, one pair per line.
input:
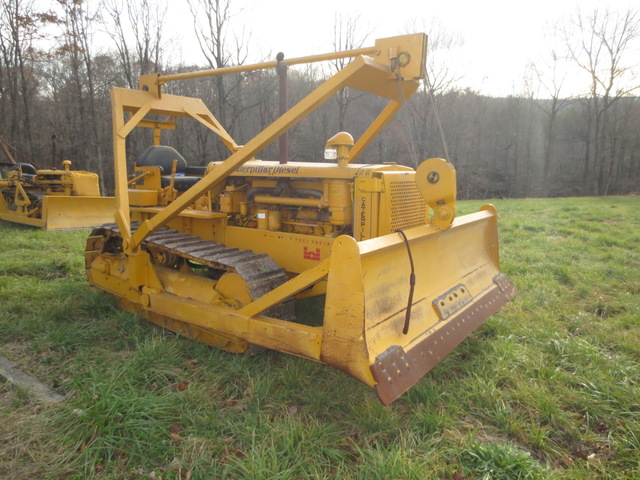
[600,43]
[347,35]
[19,28]
[78,25]
[551,79]
[136,29]
[141,51]
[222,47]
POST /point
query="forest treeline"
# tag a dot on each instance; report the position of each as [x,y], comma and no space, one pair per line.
[55,101]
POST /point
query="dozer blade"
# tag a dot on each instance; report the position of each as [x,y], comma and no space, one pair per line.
[458,285]
[67,212]
[10,216]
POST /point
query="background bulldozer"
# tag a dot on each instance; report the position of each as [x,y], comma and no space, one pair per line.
[222,253]
[52,199]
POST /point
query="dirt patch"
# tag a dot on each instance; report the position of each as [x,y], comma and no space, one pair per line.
[14,350]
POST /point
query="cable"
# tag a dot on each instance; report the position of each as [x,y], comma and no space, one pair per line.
[436,114]
[412,283]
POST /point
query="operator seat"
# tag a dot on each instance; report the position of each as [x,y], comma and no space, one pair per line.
[162,156]
[28,170]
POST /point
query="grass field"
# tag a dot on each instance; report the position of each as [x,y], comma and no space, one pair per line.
[549,388]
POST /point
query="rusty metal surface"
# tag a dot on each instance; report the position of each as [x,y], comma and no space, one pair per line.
[395,370]
[259,271]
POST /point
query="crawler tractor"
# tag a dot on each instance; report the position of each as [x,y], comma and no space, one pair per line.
[222,253]
[53,199]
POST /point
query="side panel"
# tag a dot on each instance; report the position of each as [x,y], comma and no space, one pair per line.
[85,184]
[402,206]
[365,204]
[293,252]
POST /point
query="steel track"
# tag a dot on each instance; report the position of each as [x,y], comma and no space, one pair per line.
[259,271]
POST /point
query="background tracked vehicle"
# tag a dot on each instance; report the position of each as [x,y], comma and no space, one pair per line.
[221,253]
[53,199]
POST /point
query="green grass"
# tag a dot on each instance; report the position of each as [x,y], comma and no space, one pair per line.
[548,388]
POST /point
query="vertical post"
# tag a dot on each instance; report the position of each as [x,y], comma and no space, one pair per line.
[122,217]
[281,68]
[53,151]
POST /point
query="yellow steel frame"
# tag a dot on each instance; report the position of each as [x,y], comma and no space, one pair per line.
[386,75]
[371,328]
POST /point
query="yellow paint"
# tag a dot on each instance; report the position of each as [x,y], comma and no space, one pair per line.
[143,198]
[332,227]
[436,180]
[62,212]
[292,251]
[69,199]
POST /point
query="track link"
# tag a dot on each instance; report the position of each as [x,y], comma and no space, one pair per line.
[259,271]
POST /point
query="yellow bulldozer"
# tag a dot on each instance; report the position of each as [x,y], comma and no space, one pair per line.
[223,253]
[52,199]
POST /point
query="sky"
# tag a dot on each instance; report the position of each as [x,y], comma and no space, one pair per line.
[500,37]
